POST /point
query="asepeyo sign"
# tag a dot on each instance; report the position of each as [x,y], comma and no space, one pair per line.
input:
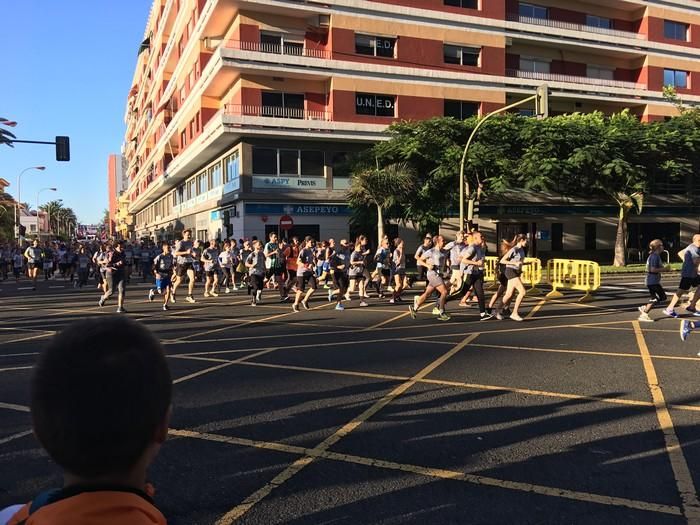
[309,183]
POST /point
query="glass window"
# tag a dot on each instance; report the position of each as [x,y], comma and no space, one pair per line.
[465,56]
[533,11]
[460,109]
[598,21]
[286,105]
[364,45]
[341,165]
[216,179]
[202,183]
[265,161]
[467,4]
[379,105]
[675,78]
[380,46]
[312,163]
[534,65]
[232,167]
[289,162]
[675,30]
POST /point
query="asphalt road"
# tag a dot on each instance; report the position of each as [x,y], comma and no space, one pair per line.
[367,416]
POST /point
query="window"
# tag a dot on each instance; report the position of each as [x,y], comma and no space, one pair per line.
[341,164]
[467,4]
[534,65]
[598,21]
[375,46]
[191,189]
[312,163]
[675,78]
[265,161]
[202,183]
[533,11]
[289,161]
[216,179]
[378,105]
[604,73]
[465,56]
[232,167]
[675,30]
[285,105]
[183,138]
[284,44]
[461,110]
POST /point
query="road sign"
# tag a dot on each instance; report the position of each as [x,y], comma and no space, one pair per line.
[286,223]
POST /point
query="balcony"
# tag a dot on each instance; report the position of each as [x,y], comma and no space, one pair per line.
[287,48]
[568,26]
[553,77]
[249,110]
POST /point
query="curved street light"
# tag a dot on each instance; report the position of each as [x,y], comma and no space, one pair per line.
[19,197]
[48,211]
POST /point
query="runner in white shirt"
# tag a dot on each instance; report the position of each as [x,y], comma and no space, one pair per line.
[434,260]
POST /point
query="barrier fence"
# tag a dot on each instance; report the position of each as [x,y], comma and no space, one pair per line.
[569,274]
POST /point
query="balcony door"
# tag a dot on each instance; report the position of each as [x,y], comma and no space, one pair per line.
[282,105]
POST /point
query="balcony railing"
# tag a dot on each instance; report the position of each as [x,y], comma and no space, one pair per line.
[289,49]
[250,110]
[553,77]
[558,24]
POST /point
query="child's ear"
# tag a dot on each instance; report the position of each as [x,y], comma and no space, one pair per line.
[162,429]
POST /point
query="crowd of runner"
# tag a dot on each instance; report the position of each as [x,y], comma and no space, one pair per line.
[346,270]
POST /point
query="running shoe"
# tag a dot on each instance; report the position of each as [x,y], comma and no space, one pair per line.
[412,311]
[206,294]
[330,296]
[443,316]
[151,294]
[642,309]
[485,316]
[121,310]
[101,303]
[253,303]
[644,318]
[227,290]
[295,307]
[214,294]
[363,303]
[172,298]
[258,296]
[415,302]
[347,296]
[326,286]
[671,313]
[392,301]
[339,307]
[436,310]
[305,305]
[190,299]
[685,329]
[515,317]
[284,299]
[165,308]
[499,316]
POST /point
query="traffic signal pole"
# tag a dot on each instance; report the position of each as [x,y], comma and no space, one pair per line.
[62,146]
[541,99]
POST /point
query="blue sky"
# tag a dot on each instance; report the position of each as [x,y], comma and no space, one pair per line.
[66,69]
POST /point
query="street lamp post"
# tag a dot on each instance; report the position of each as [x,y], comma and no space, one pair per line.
[48,210]
[19,197]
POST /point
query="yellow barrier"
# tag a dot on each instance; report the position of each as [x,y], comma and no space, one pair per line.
[532,275]
[573,274]
[491,271]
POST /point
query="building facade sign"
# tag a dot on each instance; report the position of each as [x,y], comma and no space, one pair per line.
[328,210]
[299,183]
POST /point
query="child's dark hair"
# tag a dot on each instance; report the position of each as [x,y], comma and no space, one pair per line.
[99,393]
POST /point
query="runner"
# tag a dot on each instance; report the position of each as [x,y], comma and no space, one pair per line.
[197,248]
[226,265]
[356,272]
[47,257]
[502,285]
[185,259]
[128,261]
[434,260]
[326,271]
[116,277]
[33,256]
[273,263]
[305,274]
[338,265]
[255,262]
[210,260]
[653,280]
[100,261]
[146,261]
[291,254]
[17,264]
[382,272]
[686,327]
[427,244]
[473,258]
[83,266]
[399,268]
[689,277]
[456,276]
[163,265]
[514,259]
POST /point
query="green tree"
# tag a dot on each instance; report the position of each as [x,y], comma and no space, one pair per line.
[53,209]
[382,188]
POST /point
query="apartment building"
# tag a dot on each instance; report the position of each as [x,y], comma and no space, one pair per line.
[244,111]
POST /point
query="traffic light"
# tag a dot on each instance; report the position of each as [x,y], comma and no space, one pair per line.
[542,101]
[62,149]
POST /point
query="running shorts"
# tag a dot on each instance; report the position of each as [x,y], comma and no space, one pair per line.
[689,282]
[512,273]
[435,280]
[308,278]
[340,280]
[182,269]
[32,265]
[163,283]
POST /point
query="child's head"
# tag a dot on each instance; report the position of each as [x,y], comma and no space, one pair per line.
[166,247]
[100,398]
[656,246]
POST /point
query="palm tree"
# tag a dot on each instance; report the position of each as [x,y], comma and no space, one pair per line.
[53,209]
[627,203]
[383,188]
